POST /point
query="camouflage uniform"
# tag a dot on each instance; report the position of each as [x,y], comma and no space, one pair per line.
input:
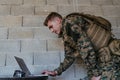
[76,42]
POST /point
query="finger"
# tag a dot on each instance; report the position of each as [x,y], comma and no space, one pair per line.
[43,73]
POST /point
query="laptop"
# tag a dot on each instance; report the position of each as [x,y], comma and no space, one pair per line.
[25,69]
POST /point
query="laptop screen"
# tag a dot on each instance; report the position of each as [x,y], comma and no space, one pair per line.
[23,66]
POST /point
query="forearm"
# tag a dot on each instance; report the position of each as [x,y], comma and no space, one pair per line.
[68,61]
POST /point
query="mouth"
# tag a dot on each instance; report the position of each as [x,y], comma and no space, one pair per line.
[56,32]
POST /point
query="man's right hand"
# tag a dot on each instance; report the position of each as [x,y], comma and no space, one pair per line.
[50,73]
[96,78]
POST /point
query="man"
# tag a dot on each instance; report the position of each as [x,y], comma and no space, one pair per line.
[76,41]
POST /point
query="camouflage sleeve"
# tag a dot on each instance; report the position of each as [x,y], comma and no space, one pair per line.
[70,48]
[70,56]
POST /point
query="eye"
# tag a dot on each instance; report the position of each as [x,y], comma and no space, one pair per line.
[50,27]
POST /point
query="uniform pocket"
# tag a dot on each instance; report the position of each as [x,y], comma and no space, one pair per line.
[104,55]
[115,47]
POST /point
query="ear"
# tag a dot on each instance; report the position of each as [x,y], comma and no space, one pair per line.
[57,19]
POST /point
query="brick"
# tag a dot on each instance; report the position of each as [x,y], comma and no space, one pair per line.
[47,58]
[27,57]
[117,35]
[55,45]
[111,11]
[116,32]
[15,2]
[30,21]
[52,2]
[22,10]
[66,9]
[45,10]
[113,21]
[83,2]
[118,21]
[33,45]
[9,45]
[62,56]
[9,21]
[95,10]
[102,2]
[37,69]
[4,10]
[3,33]
[44,33]
[2,59]
[39,20]
[57,2]
[20,33]
[116,2]
[63,2]
[35,2]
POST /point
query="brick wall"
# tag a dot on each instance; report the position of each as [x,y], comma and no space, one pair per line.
[22,33]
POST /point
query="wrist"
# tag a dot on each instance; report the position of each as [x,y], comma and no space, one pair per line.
[56,72]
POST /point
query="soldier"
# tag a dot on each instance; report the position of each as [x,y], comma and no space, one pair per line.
[73,30]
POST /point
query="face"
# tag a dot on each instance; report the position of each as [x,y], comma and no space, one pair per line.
[54,25]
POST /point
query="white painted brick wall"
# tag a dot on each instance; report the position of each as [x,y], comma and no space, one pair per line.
[22,33]
[83,2]
[55,44]
[47,58]
[102,2]
[3,33]
[34,2]
[2,59]
[43,33]
[9,45]
[111,11]
[46,9]
[116,2]
[118,21]
[22,10]
[11,2]
[4,10]
[94,9]
[32,21]
[33,45]
[27,57]
[9,21]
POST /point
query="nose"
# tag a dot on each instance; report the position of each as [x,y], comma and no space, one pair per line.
[51,30]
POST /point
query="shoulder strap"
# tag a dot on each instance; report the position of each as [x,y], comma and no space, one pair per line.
[95,19]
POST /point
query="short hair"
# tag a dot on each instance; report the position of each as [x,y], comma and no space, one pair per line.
[51,16]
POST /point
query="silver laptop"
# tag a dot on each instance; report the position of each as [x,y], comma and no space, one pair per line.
[24,68]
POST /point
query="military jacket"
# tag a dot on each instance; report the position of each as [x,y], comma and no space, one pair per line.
[77,43]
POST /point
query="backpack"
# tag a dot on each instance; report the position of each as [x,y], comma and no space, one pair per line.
[98,20]
[99,29]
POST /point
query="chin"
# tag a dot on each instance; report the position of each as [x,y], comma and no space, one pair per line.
[57,32]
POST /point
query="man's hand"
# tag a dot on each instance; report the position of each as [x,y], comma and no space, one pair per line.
[96,78]
[50,73]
